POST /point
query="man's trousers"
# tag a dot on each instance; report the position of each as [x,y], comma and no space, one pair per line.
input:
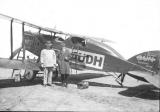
[48,72]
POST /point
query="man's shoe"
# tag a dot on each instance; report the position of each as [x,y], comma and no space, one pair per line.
[50,85]
[65,85]
[44,85]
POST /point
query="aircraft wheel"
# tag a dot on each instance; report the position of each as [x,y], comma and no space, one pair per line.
[83,85]
[29,75]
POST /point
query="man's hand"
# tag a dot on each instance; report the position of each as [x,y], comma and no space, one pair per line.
[42,65]
[66,59]
[55,65]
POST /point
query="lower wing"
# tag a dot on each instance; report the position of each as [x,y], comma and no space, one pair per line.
[18,64]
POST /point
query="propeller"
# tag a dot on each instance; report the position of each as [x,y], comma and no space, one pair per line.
[103,40]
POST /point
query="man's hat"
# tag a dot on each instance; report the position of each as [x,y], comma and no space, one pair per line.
[48,43]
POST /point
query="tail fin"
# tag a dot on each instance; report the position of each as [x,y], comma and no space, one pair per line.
[149,60]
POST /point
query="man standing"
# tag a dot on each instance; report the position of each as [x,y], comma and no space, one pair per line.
[64,65]
[48,62]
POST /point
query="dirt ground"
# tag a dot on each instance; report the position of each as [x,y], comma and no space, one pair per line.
[103,94]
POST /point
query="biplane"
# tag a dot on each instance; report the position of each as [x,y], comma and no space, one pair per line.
[87,54]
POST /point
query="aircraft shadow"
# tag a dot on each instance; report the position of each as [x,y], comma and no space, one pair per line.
[6,83]
[76,81]
[106,85]
[142,91]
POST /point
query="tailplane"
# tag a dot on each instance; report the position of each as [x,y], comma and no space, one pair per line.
[149,60]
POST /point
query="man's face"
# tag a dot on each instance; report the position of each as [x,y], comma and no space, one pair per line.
[48,46]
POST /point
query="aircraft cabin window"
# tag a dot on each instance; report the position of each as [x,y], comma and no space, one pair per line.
[59,39]
[78,40]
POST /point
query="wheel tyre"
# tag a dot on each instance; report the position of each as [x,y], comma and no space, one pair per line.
[29,75]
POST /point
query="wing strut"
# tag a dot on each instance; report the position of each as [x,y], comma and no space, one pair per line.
[23,41]
[11,38]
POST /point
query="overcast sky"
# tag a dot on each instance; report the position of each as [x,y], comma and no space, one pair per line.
[134,25]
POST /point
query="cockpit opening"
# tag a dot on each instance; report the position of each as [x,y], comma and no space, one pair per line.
[78,41]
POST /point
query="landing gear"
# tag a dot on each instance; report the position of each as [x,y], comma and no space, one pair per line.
[29,75]
[120,79]
[83,85]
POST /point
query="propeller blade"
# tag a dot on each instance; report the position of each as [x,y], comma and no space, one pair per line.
[103,40]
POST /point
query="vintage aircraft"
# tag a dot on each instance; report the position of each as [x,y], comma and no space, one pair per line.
[87,54]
